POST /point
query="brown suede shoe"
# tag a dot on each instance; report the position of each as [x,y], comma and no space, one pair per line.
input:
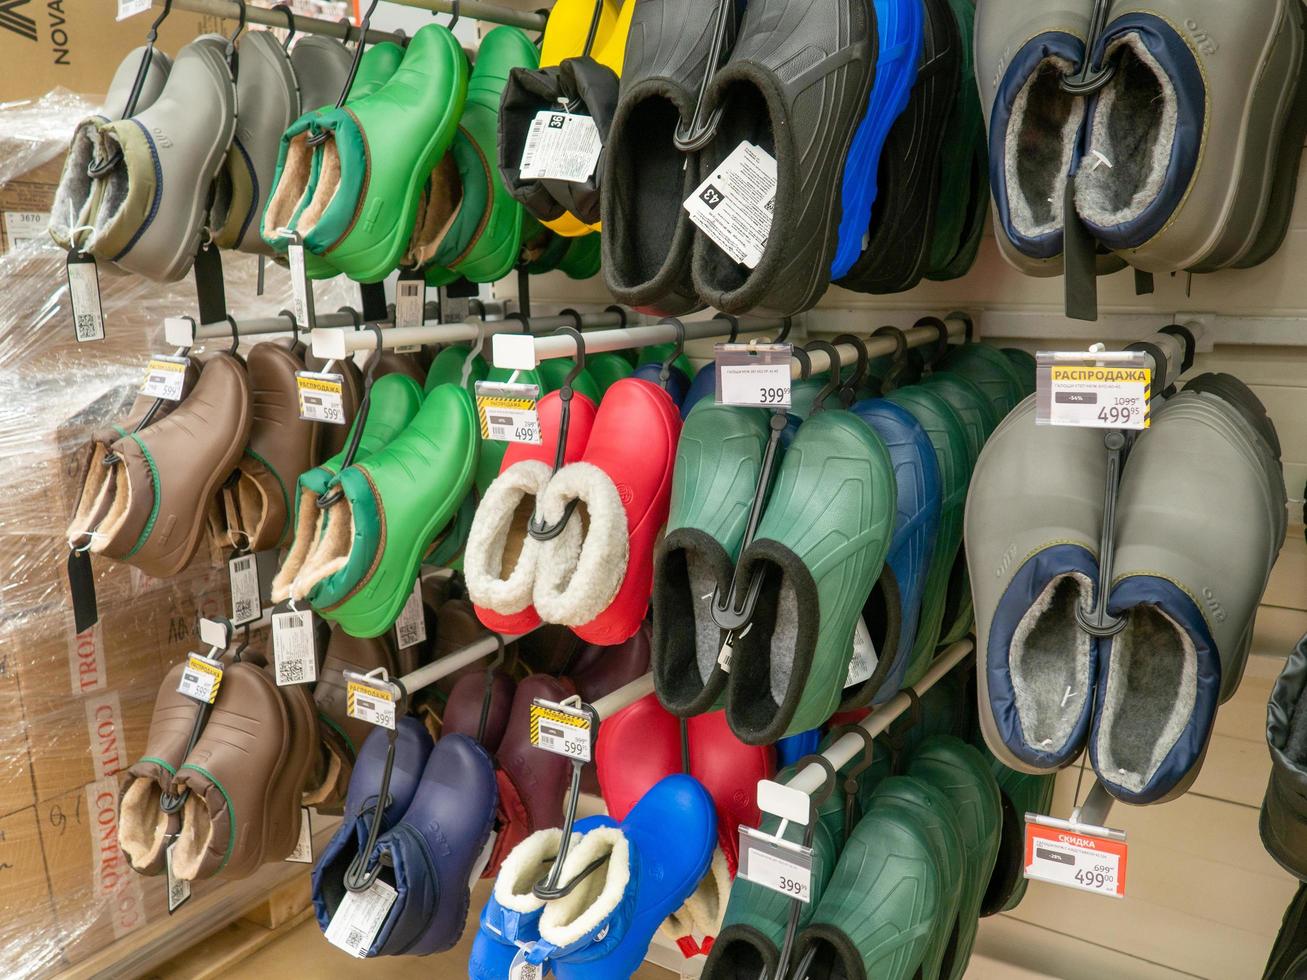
[144,830]
[153,505]
[234,774]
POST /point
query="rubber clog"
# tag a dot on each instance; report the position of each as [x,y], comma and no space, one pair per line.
[677,384]
[703,386]
[991,370]
[607,369]
[321,69]
[1022,794]
[582,259]
[1282,818]
[637,748]
[730,771]
[820,547]
[449,365]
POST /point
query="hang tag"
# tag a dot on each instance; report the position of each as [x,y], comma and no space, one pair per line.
[727,652]
[165,376]
[244,576]
[81,583]
[130,8]
[359,917]
[301,290]
[293,655]
[322,397]
[201,678]
[776,864]
[561,146]
[523,969]
[303,853]
[734,206]
[1090,859]
[753,375]
[367,700]
[410,301]
[84,296]
[864,660]
[1095,390]
[562,730]
[179,889]
[411,626]
[509,412]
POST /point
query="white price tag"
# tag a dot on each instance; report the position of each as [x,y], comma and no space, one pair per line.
[130,8]
[367,700]
[521,969]
[560,731]
[1087,859]
[410,302]
[245,603]
[508,412]
[84,295]
[411,626]
[754,376]
[1106,390]
[303,853]
[864,660]
[201,678]
[300,290]
[165,376]
[775,864]
[322,397]
[561,146]
[359,917]
[179,889]
[293,655]
[735,205]
[22,227]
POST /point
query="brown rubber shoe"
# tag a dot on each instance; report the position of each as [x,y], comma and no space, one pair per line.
[300,760]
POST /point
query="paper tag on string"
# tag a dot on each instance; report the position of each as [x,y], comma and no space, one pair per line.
[509,412]
[179,889]
[165,377]
[294,657]
[561,146]
[321,396]
[301,291]
[303,852]
[863,663]
[411,626]
[735,205]
[359,917]
[130,8]
[245,603]
[84,296]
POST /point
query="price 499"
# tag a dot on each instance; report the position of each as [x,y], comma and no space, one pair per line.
[1099,877]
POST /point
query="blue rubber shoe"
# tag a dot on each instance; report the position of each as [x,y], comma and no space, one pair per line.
[678,383]
[430,856]
[511,917]
[703,386]
[916,471]
[656,858]
[792,748]
[900,29]
[412,748]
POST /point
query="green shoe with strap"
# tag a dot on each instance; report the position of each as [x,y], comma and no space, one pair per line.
[991,370]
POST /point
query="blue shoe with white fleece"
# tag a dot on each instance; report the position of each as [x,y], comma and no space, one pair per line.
[900,30]
[656,858]
[511,918]
[916,472]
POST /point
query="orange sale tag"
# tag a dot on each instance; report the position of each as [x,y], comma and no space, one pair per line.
[1092,859]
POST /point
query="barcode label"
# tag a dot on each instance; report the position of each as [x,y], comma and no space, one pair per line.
[84,295]
[411,626]
[130,8]
[244,576]
[410,302]
[179,889]
[300,289]
[561,146]
[22,227]
[292,648]
[359,917]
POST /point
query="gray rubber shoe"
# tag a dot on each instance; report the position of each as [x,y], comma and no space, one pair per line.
[72,198]
[268,100]
[151,209]
[1032,529]
[1183,144]
[1201,519]
[321,67]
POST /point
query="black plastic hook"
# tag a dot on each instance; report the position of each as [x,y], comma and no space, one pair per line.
[621,315]
[665,372]
[854,770]
[294,324]
[291,28]
[536,527]
[899,363]
[820,796]
[240,25]
[320,137]
[849,388]
[235,336]
[833,382]
[576,318]
[1091,79]
[781,337]
[97,169]
[941,338]
[548,889]
[457,11]
[734,321]
[500,655]
[805,363]
[693,136]
[360,420]
[358,876]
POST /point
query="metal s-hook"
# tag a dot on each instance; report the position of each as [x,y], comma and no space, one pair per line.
[849,388]
[829,387]
[537,527]
[291,29]
[899,363]
[693,136]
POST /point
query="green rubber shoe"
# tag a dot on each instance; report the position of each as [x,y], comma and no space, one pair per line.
[718,460]
[820,546]
[583,256]
[962,774]
[875,919]
[1026,366]
[447,552]
[803,394]
[948,437]
[447,368]
[485,236]
[606,369]
[398,500]
[932,811]
[991,370]
[542,250]
[659,353]
[1022,793]
[380,151]
[392,404]
[948,708]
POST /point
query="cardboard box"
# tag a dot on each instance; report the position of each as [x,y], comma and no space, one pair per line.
[25,203]
[26,906]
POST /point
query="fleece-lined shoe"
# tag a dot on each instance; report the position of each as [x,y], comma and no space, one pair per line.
[1284,809]
[321,69]
[1033,522]
[68,215]
[820,547]
[805,120]
[990,370]
[1188,599]
[718,463]
[596,576]
[150,210]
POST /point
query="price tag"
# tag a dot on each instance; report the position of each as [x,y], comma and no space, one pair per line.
[776,864]
[201,678]
[179,889]
[508,412]
[130,8]
[165,376]
[561,730]
[561,146]
[301,290]
[734,206]
[246,606]
[303,853]
[863,663]
[1098,390]
[322,397]
[410,302]
[367,700]
[359,917]
[294,658]
[411,626]
[1091,859]
[84,295]
[523,969]
[753,375]
[22,227]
